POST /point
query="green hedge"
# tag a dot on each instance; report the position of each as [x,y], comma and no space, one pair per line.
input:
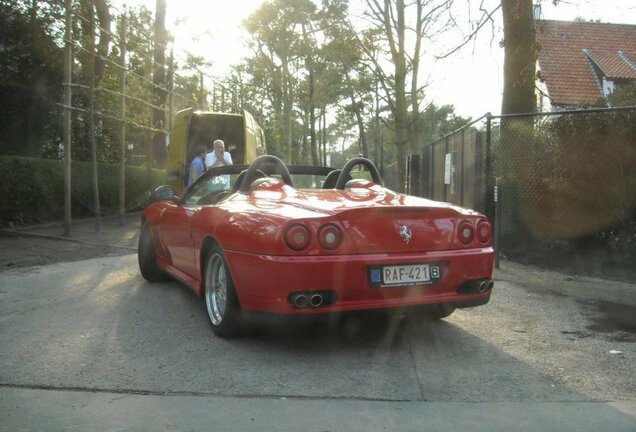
[32,189]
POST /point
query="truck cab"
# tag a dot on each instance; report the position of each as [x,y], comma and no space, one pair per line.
[191,129]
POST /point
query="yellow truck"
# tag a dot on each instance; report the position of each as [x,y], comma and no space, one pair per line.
[191,129]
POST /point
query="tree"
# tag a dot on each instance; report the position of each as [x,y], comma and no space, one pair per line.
[188,86]
[332,62]
[518,161]
[278,42]
[31,72]
[345,74]
[390,27]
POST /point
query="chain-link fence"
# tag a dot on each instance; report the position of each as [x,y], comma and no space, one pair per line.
[456,168]
[567,185]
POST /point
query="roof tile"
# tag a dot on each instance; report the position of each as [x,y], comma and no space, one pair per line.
[568,50]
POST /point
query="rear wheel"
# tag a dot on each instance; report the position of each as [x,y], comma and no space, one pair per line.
[147,258]
[220,298]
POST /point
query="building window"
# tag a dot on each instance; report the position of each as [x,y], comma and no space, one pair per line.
[608,87]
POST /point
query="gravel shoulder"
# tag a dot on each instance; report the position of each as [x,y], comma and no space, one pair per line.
[46,244]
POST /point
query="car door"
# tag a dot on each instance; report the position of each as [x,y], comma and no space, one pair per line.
[178,222]
[176,234]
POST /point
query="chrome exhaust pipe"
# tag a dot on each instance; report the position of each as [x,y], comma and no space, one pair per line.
[316,300]
[300,301]
[475,286]
[485,286]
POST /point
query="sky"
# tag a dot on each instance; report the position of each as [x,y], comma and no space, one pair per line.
[471,80]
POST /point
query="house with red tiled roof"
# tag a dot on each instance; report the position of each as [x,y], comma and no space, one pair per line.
[581,62]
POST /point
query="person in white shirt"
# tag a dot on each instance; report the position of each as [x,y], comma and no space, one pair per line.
[218,156]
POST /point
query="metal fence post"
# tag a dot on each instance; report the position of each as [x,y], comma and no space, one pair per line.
[497,193]
[462,169]
[445,153]
[415,176]
[489,169]
[409,172]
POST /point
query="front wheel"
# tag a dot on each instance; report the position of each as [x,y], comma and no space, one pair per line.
[221,301]
[147,257]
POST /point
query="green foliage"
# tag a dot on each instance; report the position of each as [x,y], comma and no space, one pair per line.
[31,78]
[302,61]
[574,174]
[569,197]
[33,189]
[306,60]
[436,122]
[361,174]
[30,72]
[623,95]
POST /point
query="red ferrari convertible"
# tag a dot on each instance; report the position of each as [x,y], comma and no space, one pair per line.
[271,241]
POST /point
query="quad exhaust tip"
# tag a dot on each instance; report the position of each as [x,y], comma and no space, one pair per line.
[300,301]
[315,300]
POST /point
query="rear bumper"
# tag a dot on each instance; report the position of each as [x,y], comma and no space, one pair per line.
[267,318]
[264,283]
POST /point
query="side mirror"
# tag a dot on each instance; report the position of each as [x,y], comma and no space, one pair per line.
[163,193]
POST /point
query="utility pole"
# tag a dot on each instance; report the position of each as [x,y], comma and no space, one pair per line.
[158,153]
[122,127]
[91,120]
[68,69]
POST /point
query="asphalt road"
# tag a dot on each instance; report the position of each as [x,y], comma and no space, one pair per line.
[90,345]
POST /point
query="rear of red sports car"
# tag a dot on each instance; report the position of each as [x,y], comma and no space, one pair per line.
[360,248]
[262,246]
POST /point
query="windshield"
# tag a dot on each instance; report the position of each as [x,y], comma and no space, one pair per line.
[210,189]
[216,185]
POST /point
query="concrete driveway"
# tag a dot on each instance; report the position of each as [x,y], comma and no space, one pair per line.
[90,345]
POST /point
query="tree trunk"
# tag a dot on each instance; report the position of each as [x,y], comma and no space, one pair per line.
[520,57]
[277,104]
[91,124]
[287,111]
[312,119]
[323,132]
[33,145]
[415,97]
[103,17]
[158,152]
[401,113]
[518,97]
[364,147]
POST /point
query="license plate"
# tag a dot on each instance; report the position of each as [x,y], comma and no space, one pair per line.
[404,275]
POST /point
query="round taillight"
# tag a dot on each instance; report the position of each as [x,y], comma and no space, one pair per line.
[297,237]
[329,237]
[466,232]
[484,232]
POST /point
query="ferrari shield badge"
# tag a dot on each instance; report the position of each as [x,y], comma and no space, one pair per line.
[405,232]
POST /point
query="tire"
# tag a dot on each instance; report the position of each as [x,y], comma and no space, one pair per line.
[147,258]
[221,302]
